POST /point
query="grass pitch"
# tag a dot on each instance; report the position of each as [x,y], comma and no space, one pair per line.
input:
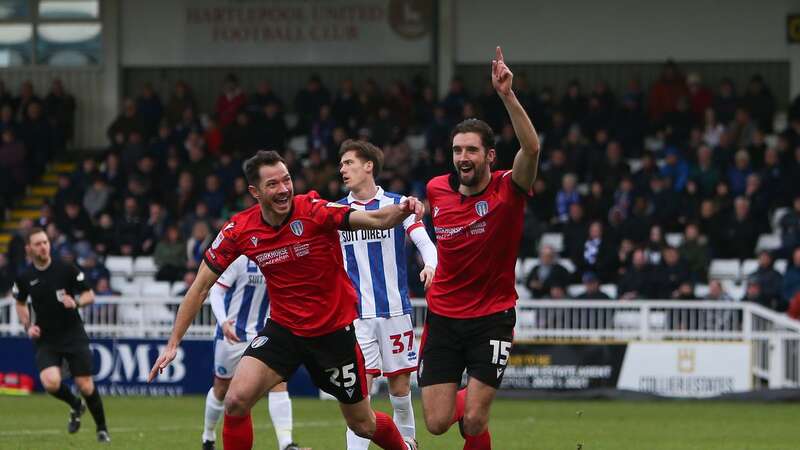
[39,422]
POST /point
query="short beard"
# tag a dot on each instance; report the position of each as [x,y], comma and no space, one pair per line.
[477,172]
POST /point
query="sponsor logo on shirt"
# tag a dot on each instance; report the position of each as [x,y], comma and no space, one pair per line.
[254,240]
[218,240]
[273,256]
[364,235]
[435,211]
[335,205]
[34,282]
[473,229]
[296,227]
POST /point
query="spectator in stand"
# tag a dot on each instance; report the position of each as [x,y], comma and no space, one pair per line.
[6,276]
[704,172]
[188,124]
[677,124]
[737,175]
[156,225]
[712,128]
[321,134]
[197,244]
[230,101]
[774,179]
[635,282]
[726,101]
[665,92]
[455,99]
[214,196]
[759,202]
[272,131]
[597,204]
[665,201]
[346,109]
[74,222]
[700,97]
[743,128]
[38,137]
[263,96]
[592,290]
[717,292]
[675,168]
[598,254]
[103,288]
[612,169]
[130,228]
[758,100]
[93,270]
[574,104]
[790,229]
[739,233]
[170,255]
[104,237]
[723,201]
[180,100]
[5,95]
[17,256]
[212,135]
[672,274]
[240,137]
[129,121]
[769,280]
[26,97]
[7,119]
[12,162]
[694,252]
[60,107]
[630,126]
[506,147]
[546,274]
[791,279]
[149,106]
[308,102]
[567,196]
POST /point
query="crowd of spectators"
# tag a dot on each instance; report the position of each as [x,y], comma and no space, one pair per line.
[618,171]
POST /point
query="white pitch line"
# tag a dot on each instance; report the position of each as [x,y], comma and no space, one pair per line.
[199,427]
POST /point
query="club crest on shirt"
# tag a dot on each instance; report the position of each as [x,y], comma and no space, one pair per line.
[435,211]
[254,240]
[482,207]
[296,227]
[259,341]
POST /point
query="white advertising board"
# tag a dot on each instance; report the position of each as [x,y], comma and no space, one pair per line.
[285,32]
[686,369]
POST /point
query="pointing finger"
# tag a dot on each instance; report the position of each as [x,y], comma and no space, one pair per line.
[498,53]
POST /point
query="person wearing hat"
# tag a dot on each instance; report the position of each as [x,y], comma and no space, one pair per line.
[592,285]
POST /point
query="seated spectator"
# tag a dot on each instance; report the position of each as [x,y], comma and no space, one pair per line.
[214,196]
[635,281]
[791,279]
[230,101]
[769,280]
[684,292]
[592,285]
[103,288]
[129,121]
[567,196]
[197,244]
[671,275]
[149,106]
[180,100]
[94,270]
[97,196]
[717,292]
[240,137]
[737,175]
[74,222]
[104,236]
[790,229]
[271,130]
[130,228]
[758,100]
[12,161]
[739,234]
[598,254]
[546,274]
[675,168]
[694,251]
[170,256]
[597,204]
[6,276]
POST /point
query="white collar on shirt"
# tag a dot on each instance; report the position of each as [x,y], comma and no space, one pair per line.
[378,195]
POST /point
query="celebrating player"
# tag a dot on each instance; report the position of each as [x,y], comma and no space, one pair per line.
[58,333]
[295,242]
[240,303]
[376,264]
[477,215]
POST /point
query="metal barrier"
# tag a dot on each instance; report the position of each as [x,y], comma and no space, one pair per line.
[775,337]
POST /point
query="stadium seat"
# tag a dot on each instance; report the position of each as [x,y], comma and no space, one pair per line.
[555,240]
[120,265]
[768,242]
[748,267]
[155,289]
[568,264]
[144,265]
[777,215]
[780,265]
[299,144]
[674,239]
[176,288]
[609,289]
[527,265]
[734,289]
[700,291]
[725,269]
[125,286]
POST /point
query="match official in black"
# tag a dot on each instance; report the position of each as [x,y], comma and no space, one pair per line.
[56,291]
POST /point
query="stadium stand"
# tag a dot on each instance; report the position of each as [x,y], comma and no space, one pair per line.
[646,170]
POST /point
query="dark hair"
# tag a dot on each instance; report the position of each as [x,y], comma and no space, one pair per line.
[262,158]
[365,151]
[475,126]
[31,232]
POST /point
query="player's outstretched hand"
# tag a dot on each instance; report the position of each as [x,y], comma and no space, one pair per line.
[34,332]
[501,74]
[229,331]
[162,362]
[413,206]
[426,276]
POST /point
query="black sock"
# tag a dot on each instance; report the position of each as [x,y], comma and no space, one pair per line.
[64,394]
[96,408]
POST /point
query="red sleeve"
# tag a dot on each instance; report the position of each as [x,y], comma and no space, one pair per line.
[510,189]
[331,215]
[224,250]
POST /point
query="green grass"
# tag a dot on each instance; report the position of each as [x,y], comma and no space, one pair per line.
[39,422]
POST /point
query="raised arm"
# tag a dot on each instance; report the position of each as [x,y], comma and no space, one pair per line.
[526,162]
[187,311]
[387,217]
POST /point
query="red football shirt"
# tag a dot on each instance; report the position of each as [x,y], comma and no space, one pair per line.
[477,238]
[309,291]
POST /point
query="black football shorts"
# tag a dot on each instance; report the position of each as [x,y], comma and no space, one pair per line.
[480,345]
[334,360]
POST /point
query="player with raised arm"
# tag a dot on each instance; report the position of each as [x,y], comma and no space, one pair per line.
[294,240]
[477,215]
[376,264]
[240,304]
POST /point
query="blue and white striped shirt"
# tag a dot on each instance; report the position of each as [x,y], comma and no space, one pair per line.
[246,298]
